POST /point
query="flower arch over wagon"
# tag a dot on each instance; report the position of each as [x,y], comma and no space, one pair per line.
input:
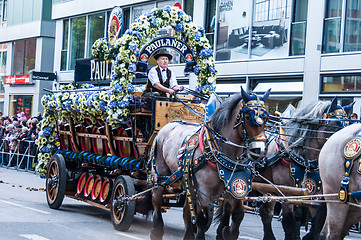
[112,105]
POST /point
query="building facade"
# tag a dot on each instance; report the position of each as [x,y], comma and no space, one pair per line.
[27,38]
[304,50]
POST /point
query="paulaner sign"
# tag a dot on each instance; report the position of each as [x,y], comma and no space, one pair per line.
[166,42]
[94,71]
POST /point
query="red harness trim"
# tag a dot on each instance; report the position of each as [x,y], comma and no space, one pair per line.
[201,140]
[283,161]
[201,147]
[212,165]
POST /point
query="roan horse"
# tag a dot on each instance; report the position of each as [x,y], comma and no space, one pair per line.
[237,131]
[304,135]
[339,155]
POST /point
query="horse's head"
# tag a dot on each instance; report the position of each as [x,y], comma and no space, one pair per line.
[253,117]
[336,111]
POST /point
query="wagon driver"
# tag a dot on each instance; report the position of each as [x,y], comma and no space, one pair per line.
[161,79]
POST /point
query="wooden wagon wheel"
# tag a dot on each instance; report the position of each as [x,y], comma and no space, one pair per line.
[122,212]
[56,181]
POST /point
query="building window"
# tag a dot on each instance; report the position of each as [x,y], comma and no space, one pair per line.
[267,10]
[24,56]
[64,49]
[21,103]
[95,30]
[298,28]
[352,41]
[77,43]
[341,83]
[332,26]
[3,55]
[3,12]
[211,20]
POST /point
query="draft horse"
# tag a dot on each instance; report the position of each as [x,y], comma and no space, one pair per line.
[234,134]
[295,149]
[340,170]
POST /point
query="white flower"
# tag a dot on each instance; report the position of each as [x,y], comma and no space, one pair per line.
[115,115]
[210,80]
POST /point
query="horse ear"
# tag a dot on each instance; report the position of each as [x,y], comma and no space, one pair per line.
[246,97]
[333,105]
[266,95]
[348,108]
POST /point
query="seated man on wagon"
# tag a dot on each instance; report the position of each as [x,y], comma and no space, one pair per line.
[161,80]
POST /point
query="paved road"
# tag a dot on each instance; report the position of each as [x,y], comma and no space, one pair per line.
[24,214]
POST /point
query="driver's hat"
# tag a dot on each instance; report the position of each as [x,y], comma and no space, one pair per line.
[162,52]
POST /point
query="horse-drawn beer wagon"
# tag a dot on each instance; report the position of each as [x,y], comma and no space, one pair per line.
[105,146]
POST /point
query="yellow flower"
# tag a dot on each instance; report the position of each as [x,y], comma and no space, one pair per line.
[186,27]
[106,97]
[206,45]
[133,58]
[194,28]
[42,140]
[101,95]
[124,71]
[165,14]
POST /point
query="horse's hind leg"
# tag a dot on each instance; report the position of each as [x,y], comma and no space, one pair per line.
[353,217]
[266,212]
[189,234]
[336,216]
[202,222]
[237,211]
[224,212]
[288,221]
[318,220]
[158,224]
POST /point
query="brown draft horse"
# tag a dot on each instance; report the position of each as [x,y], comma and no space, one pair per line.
[239,131]
[305,134]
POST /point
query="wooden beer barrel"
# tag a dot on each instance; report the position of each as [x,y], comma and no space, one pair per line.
[89,185]
[96,188]
[81,183]
[123,147]
[105,191]
[85,142]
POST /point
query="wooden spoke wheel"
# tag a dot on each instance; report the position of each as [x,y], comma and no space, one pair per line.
[121,211]
[56,181]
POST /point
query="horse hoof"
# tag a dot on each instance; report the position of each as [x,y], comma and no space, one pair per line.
[227,234]
[156,236]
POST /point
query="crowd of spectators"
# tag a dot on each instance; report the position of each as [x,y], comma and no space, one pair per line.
[17,133]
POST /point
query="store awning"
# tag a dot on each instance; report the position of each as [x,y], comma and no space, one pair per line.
[279,87]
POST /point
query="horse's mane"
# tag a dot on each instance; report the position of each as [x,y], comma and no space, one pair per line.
[306,118]
[222,115]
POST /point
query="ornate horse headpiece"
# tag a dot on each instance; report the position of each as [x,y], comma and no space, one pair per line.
[337,111]
[255,106]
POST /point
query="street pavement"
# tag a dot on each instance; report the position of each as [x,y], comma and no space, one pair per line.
[24,214]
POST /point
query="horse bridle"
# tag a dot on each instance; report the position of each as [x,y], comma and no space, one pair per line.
[260,114]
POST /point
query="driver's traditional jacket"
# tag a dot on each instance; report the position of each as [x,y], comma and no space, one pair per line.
[150,87]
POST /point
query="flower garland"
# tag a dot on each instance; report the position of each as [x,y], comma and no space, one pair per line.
[113,105]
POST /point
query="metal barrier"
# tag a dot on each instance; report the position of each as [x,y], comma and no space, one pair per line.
[18,154]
